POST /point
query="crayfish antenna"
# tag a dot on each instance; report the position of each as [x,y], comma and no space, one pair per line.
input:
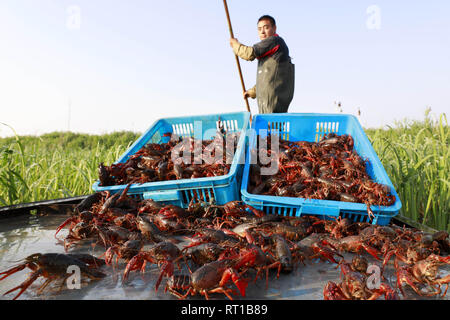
[24,286]
[62,225]
[9,272]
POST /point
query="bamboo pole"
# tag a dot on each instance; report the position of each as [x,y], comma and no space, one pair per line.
[237,58]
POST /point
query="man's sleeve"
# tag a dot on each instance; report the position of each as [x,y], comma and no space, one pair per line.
[245,52]
[265,47]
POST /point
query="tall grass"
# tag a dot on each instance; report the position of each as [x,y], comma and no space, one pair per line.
[55,165]
[415,155]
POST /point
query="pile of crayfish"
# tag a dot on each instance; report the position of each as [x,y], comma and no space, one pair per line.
[179,158]
[330,169]
[210,249]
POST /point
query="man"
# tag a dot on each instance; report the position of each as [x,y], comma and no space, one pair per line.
[274,87]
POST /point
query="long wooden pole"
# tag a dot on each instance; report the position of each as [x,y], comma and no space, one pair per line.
[237,58]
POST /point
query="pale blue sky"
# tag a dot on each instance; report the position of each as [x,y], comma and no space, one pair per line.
[129,63]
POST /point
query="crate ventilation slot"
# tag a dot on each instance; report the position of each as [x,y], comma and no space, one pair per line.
[183,129]
[323,128]
[355,217]
[204,195]
[281,128]
[228,125]
[282,211]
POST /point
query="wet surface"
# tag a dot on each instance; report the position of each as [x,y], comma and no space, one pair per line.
[24,235]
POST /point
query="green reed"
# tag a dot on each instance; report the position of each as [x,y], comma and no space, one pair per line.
[415,155]
[55,165]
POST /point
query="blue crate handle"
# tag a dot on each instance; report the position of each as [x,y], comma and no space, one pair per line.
[322,210]
[168,195]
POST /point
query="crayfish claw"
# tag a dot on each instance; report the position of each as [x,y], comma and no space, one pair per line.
[166,269]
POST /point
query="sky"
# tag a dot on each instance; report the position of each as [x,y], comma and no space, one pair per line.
[99,66]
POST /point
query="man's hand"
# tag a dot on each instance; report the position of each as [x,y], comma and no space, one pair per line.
[233,41]
[250,93]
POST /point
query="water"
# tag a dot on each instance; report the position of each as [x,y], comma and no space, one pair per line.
[24,235]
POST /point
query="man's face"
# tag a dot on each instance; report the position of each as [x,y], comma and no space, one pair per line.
[266,29]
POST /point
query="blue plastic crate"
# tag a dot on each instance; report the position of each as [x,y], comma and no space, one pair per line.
[312,127]
[220,189]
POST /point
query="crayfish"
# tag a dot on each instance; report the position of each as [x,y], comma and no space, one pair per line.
[52,266]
